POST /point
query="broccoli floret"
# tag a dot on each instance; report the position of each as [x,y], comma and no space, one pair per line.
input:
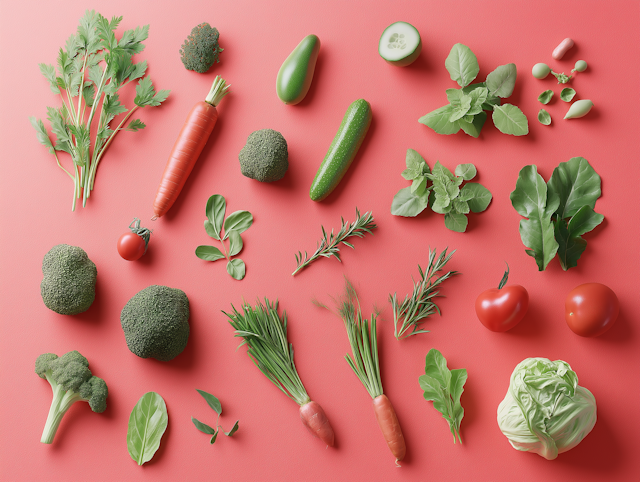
[69,283]
[71,381]
[201,49]
[264,157]
[156,322]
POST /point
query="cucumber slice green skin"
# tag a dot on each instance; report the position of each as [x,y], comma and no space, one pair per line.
[343,149]
[411,55]
[296,73]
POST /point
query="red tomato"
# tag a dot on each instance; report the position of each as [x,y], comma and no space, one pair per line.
[591,309]
[131,246]
[502,309]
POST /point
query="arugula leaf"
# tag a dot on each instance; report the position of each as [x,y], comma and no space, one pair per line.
[544,117]
[509,119]
[408,204]
[545,97]
[438,120]
[502,80]
[444,388]
[576,184]
[532,200]
[462,64]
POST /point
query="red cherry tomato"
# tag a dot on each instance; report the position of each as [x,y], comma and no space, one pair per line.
[503,308]
[133,245]
[591,309]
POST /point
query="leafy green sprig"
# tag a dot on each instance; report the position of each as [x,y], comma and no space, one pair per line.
[264,332]
[215,404]
[91,70]
[413,311]
[329,244]
[220,229]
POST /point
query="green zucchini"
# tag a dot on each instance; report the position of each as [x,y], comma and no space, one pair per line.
[295,74]
[343,149]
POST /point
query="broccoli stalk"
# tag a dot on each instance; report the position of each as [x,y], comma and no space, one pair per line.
[71,381]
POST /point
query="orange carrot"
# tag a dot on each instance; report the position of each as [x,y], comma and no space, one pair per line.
[388,422]
[191,140]
[317,422]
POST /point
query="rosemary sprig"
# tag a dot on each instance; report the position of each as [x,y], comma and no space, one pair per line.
[411,313]
[328,246]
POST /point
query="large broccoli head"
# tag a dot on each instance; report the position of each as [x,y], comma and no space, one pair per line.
[201,49]
[71,381]
[156,322]
[69,283]
[265,156]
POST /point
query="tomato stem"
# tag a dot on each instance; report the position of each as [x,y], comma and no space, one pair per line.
[505,277]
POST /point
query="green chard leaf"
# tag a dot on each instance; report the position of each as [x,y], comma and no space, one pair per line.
[408,204]
[444,388]
[147,424]
[462,64]
[532,200]
[509,119]
[438,120]
[575,183]
[236,268]
[502,80]
[544,117]
[545,97]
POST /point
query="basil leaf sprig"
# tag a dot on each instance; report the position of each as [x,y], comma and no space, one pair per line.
[329,244]
[467,105]
[215,404]
[413,311]
[444,388]
[558,213]
[147,423]
[444,195]
[220,229]
[92,68]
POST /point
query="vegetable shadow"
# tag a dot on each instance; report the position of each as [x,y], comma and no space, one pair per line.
[529,327]
[203,158]
[420,64]
[147,258]
[317,78]
[351,172]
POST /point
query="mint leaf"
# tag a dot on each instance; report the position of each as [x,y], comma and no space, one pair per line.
[460,206]
[478,97]
[460,108]
[408,204]
[509,119]
[502,80]
[419,185]
[462,64]
[416,162]
[438,120]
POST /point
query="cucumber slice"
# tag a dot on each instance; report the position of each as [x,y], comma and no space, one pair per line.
[400,44]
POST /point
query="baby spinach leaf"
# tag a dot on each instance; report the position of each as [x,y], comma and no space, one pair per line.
[408,204]
[477,196]
[212,401]
[544,117]
[567,94]
[236,268]
[203,427]
[147,423]
[462,64]
[239,221]
[576,184]
[235,242]
[509,119]
[502,81]
[466,171]
[531,200]
[209,253]
[216,207]
[438,120]
[444,388]
[546,96]
[456,222]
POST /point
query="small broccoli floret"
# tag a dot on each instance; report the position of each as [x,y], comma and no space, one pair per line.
[69,283]
[264,157]
[71,381]
[201,49]
[156,322]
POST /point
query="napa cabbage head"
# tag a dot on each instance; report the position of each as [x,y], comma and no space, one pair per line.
[545,411]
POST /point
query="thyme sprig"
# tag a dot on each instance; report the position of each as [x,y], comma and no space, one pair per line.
[329,244]
[411,313]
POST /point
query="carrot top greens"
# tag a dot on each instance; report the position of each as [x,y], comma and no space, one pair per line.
[265,333]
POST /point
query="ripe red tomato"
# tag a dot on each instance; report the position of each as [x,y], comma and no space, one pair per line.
[503,308]
[591,309]
[133,245]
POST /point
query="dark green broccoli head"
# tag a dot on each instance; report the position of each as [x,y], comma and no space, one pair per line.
[69,283]
[95,392]
[156,322]
[201,49]
[264,157]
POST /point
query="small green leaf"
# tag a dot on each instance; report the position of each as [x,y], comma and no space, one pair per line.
[233,430]
[442,205]
[438,120]
[239,221]
[236,268]
[216,207]
[478,97]
[213,439]
[41,133]
[411,174]
[460,108]
[576,184]
[473,128]
[419,185]
[509,119]
[135,125]
[416,162]
[213,402]
[546,96]
[209,253]
[408,204]
[235,242]
[203,427]
[462,64]
[567,94]
[544,117]
[466,171]
[477,196]
[461,207]
[502,80]
[147,423]
[456,222]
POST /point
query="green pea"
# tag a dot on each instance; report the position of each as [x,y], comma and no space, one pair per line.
[579,108]
[540,71]
[581,66]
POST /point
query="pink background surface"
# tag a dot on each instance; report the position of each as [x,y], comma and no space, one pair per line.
[272,444]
